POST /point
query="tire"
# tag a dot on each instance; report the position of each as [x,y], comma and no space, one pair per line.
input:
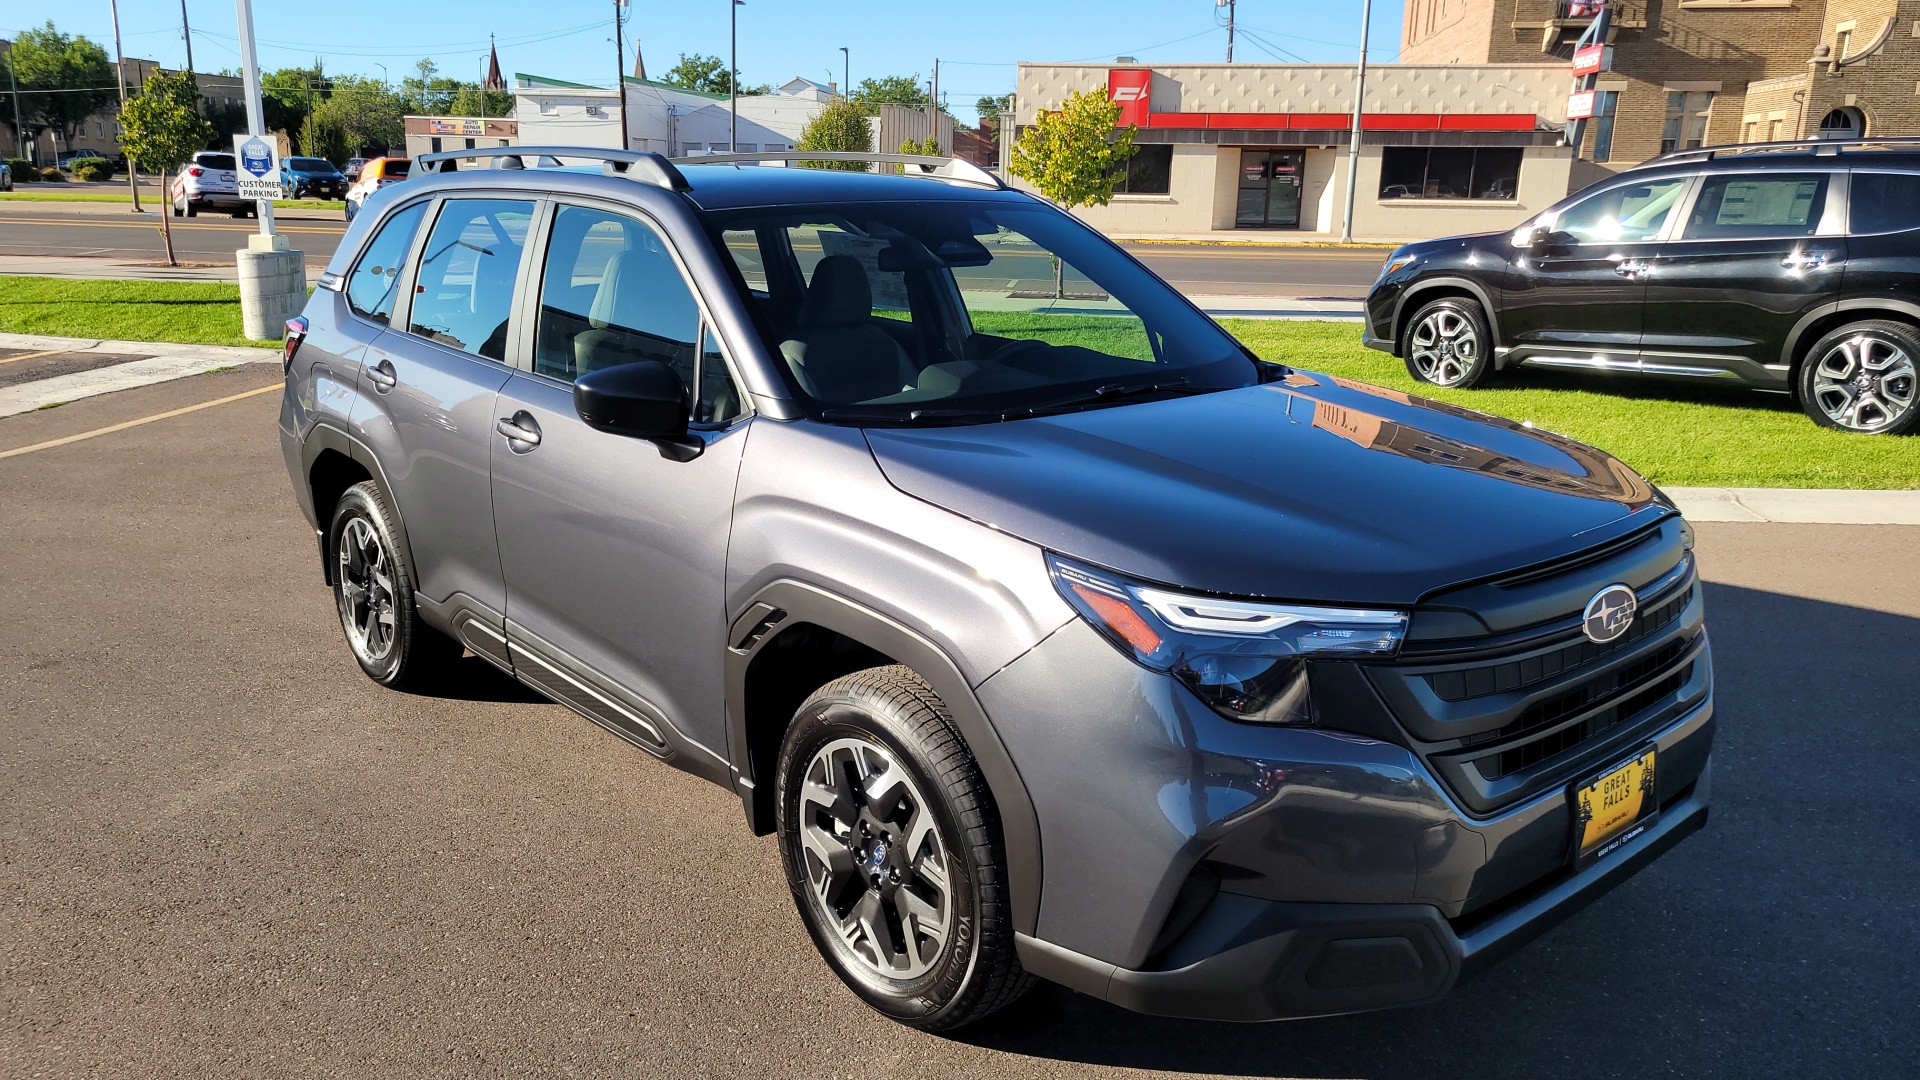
[193,210]
[349,209]
[926,848]
[1448,343]
[1864,378]
[373,595]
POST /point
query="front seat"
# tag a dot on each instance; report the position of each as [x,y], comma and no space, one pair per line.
[638,285]
[838,355]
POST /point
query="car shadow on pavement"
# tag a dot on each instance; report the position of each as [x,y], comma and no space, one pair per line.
[474,679]
[1779,941]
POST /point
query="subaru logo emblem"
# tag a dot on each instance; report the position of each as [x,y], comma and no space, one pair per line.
[1609,613]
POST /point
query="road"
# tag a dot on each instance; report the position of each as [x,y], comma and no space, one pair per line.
[110,230]
[225,853]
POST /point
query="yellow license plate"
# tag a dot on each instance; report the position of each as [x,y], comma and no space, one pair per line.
[1611,804]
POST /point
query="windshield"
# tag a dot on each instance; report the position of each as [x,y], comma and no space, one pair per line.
[311,164]
[395,167]
[961,313]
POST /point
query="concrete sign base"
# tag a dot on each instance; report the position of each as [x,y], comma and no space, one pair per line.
[273,289]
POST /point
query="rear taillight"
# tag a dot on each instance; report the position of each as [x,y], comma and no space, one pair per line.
[195,171]
[296,333]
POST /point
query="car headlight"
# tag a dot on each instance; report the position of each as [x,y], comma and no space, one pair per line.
[1395,261]
[1246,659]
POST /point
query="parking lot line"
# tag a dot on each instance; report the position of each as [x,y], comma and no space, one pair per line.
[110,429]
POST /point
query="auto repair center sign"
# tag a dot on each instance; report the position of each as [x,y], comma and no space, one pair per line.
[258,167]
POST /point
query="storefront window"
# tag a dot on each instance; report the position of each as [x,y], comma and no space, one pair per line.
[1686,125]
[1148,172]
[1449,172]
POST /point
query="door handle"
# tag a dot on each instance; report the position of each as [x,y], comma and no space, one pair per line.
[1632,268]
[382,376]
[521,430]
[1805,260]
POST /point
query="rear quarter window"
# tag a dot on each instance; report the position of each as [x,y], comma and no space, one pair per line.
[375,280]
[1884,202]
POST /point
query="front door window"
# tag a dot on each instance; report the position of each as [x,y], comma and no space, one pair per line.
[1270,183]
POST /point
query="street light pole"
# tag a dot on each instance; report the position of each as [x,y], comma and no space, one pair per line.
[272,276]
[733,74]
[846,76]
[120,69]
[1359,101]
[250,74]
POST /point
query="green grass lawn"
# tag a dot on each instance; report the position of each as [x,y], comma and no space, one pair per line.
[52,193]
[1673,433]
[192,312]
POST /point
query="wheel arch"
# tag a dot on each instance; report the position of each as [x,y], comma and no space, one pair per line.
[1426,292]
[792,633]
[1817,323]
[333,461]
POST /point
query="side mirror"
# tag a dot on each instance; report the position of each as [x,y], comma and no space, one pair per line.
[642,400]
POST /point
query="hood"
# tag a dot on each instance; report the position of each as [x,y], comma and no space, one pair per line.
[1313,488]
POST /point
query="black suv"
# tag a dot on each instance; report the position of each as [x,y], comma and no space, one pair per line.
[1788,267]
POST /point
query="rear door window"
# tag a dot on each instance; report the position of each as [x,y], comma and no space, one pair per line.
[375,280]
[1737,207]
[464,292]
[1884,202]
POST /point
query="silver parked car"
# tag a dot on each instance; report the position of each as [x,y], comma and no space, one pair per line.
[1052,632]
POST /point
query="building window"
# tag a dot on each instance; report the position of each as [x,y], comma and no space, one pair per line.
[1686,126]
[1148,172]
[1449,172]
[1842,42]
[1604,103]
[1845,123]
[435,142]
[1773,131]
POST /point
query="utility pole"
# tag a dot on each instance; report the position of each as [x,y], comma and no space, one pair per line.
[733,75]
[13,88]
[1228,4]
[1359,101]
[846,76]
[936,97]
[620,74]
[120,69]
[186,33]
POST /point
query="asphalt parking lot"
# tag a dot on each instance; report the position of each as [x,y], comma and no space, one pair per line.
[225,853]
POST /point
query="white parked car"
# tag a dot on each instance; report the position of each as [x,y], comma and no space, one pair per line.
[209,182]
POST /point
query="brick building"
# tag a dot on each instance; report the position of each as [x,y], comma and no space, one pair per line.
[1701,72]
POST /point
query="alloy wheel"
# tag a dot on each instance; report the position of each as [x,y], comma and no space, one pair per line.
[366,591]
[1445,347]
[877,866]
[1865,383]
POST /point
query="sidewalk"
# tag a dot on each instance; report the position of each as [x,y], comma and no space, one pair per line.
[102,269]
[78,368]
[1805,506]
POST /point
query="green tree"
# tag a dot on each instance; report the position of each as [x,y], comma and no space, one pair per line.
[288,97]
[1074,156]
[63,80]
[930,146]
[471,100]
[428,93]
[842,126]
[362,113]
[989,109]
[891,90]
[161,129]
[708,75]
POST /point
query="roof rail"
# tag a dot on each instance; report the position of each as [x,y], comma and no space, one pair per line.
[954,169]
[1819,147]
[641,165]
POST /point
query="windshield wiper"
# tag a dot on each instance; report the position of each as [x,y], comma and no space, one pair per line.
[1109,394]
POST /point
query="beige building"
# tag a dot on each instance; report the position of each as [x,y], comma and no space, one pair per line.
[432,134]
[1225,149]
[1688,73]
[222,97]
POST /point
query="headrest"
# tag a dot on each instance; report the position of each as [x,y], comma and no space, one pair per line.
[624,284]
[839,295]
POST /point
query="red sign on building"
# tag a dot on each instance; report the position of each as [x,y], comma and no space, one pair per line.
[1592,60]
[1580,105]
[1131,89]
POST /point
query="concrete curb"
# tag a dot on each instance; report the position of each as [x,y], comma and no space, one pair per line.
[1805,506]
[158,362]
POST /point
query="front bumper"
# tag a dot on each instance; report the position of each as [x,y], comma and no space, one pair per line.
[1198,867]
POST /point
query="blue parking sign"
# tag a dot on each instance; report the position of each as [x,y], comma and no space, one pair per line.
[256,157]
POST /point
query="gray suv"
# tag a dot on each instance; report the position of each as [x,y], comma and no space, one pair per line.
[1052,632]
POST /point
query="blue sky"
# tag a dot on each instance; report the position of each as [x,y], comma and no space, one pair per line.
[977,41]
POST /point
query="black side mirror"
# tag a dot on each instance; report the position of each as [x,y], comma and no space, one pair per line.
[642,400]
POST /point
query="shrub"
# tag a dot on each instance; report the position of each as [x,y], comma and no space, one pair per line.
[53,176]
[91,169]
[23,170]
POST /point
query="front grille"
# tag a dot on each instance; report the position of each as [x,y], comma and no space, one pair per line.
[1476,682]
[1525,712]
